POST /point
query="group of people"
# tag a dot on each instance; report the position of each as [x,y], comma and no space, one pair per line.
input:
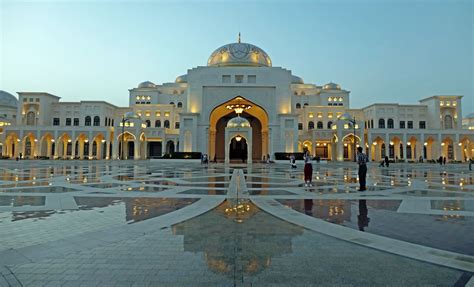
[205,158]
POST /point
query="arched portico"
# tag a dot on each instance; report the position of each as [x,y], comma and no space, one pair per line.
[258,119]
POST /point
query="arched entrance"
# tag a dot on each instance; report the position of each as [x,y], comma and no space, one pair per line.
[238,149]
[258,119]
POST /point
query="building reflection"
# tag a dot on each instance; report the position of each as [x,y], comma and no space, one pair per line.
[237,237]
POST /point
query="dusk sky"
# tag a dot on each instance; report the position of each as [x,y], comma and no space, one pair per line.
[382,51]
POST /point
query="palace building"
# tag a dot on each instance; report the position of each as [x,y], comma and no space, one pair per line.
[239,106]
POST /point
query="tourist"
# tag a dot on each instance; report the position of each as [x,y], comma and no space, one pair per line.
[362,162]
[444,160]
[440,160]
[293,161]
[387,162]
[420,159]
[308,170]
[471,161]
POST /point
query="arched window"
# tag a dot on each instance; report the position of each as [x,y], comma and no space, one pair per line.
[305,104]
[298,105]
[381,123]
[166,124]
[320,125]
[87,121]
[96,121]
[172,103]
[329,125]
[106,121]
[148,123]
[157,124]
[448,122]
[372,124]
[310,125]
[30,119]
[390,123]
[180,105]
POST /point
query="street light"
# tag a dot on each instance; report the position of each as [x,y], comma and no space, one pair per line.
[125,119]
[352,120]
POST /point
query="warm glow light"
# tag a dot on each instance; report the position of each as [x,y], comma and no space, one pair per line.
[69,141]
[345,144]
[375,143]
[238,138]
[52,140]
[325,144]
[425,144]
[459,144]
[103,141]
[391,143]
[442,144]
[86,140]
[310,115]
[36,140]
[408,143]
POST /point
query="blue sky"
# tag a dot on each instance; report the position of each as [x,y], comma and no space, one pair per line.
[382,51]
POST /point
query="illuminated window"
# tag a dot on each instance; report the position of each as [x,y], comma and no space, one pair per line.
[329,99]
[320,115]
[167,114]
[310,115]
[147,114]
[138,97]
[340,99]
[454,103]
[441,103]
[330,115]
[157,114]
[338,114]
[148,98]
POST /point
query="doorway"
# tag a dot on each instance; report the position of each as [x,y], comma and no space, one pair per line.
[238,149]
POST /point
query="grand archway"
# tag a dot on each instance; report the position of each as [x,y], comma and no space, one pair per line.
[218,119]
[238,149]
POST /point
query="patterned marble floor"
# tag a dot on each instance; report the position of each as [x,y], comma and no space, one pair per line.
[164,223]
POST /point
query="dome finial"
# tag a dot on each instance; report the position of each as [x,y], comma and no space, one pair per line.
[238,39]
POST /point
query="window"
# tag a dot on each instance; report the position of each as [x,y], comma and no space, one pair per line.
[25,99]
[410,124]
[176,125]
[157,124]
[329,104]
[390,123]
[239,79]
[381,123]
[76,122]
[166,124]
[226,79]
[68,121]
[310,125]
[172,103]
[180,105]
[300,126]
[298,106]
[87,121]
[372,123]
[305,104]
[402,124]
[37,100]
[320,125]
[31,99]
[422,125]
[320,115]
[148,123]
[157,114]
[330,115]
[252,79]
[55,121]
[329,125]
[448,122]
[96,121]
[167,114]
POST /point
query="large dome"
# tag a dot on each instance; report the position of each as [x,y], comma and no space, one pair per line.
[7,99]
[239,54]
[238,122]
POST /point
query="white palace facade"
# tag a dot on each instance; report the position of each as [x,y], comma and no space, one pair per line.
[238,106]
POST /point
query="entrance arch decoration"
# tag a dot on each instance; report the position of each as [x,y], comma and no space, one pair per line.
[226,109]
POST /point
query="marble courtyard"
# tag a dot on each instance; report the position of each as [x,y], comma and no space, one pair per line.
[160,223]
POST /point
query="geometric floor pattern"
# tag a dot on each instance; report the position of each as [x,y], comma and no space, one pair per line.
[165,223]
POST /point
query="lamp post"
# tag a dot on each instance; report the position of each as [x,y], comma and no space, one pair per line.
[347,117]
[124,120]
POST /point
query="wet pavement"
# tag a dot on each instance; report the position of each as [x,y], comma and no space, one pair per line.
[189,225]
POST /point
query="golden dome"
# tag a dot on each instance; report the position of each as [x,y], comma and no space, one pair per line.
[239,54]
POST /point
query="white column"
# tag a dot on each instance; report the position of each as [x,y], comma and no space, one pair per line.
[136,149]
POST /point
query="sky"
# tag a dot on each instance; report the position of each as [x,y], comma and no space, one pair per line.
[382,51]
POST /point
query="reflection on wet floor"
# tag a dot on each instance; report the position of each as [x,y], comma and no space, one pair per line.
[51,189]
[136,209]
[381,217]
[237,243]
[430,193]
[266,191]
[145,188]
[26,184]
[453,205]
[160,182]
[209,184]
[104,185]
[22,200]
[205,191]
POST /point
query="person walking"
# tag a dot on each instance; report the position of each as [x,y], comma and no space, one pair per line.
[444,160]
[308,170]
[293,161]
[387,162]
[362,162]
